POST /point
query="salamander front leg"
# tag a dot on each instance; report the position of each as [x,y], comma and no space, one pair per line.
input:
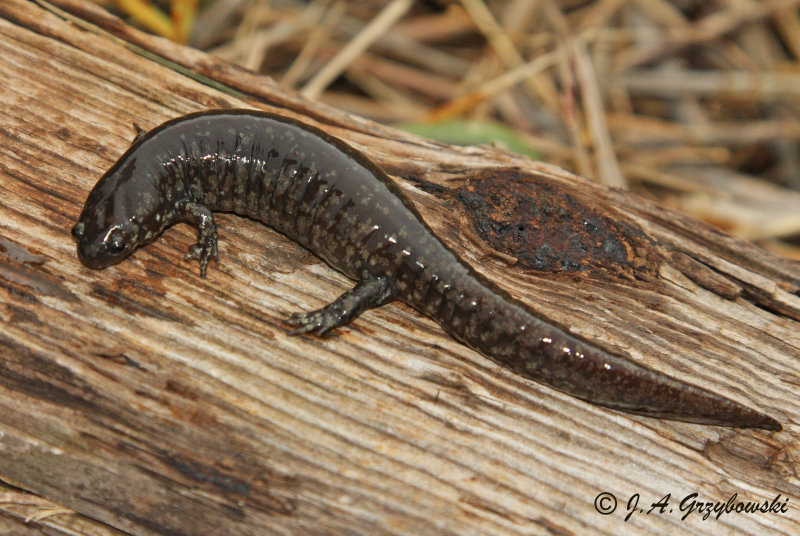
[368,293]
[203,220]
[140,133]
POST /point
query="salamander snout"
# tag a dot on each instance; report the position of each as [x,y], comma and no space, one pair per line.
[102,250]
[77,231]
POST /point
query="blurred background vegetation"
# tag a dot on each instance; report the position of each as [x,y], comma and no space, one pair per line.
[691,103]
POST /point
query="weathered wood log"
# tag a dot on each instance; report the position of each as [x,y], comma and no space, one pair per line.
[160,403]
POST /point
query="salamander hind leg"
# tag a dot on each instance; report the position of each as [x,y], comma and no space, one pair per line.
[368,293]
[203,220]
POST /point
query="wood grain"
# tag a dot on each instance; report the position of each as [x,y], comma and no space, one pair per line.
[160,403]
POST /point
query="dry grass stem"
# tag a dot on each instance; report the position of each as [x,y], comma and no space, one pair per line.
[387,17]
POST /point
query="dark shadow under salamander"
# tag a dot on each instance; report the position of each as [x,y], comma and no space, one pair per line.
[334,201]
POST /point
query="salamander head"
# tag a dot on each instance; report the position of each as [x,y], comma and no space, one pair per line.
[112,223]
[100,250]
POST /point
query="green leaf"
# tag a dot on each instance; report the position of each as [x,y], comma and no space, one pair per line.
[465,132]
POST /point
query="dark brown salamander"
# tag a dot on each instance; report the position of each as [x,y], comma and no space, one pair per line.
[331,199]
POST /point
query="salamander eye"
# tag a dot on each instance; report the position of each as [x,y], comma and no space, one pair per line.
[115,242]
[77,231]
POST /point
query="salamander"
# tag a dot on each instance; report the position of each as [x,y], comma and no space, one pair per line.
[333,200]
